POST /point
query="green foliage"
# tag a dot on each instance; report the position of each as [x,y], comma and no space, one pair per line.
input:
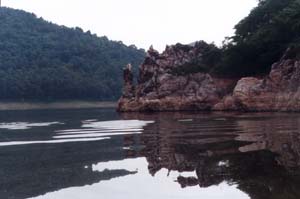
[210,57]
[261,38]
[41,60]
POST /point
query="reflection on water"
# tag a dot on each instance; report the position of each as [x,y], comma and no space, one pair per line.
[91,130]
[24,125]
[99,153]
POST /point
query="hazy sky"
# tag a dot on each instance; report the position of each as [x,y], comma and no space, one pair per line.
[144,22]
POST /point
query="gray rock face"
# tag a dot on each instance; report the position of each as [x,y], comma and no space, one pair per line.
[159,89]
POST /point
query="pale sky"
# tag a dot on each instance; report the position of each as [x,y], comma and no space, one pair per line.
[144,22]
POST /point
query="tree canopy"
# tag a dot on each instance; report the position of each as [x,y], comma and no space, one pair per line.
[261,38]
[41,60]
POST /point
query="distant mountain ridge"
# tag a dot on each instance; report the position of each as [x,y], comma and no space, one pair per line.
[43,61]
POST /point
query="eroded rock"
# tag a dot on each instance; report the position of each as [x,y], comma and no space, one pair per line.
[162,86]
[279,91]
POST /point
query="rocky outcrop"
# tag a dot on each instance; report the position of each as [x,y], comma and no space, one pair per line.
[278,91]
[165,84]
[128,90]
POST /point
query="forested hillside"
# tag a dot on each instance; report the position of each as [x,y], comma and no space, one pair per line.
[261,38]
[43,61]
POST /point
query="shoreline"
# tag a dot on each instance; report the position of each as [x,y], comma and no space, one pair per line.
[4,106]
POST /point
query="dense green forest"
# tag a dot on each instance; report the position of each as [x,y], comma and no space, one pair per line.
[44,61]
[261,38]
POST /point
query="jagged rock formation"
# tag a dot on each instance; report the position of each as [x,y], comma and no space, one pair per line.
[279,91]
[167,83]
[128,90]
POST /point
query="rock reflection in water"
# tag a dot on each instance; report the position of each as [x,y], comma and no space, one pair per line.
[178,155]
[257,152]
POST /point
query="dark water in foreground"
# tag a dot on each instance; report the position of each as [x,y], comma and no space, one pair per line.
[91,154]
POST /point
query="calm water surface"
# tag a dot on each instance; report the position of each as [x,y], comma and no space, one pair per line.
[98,153]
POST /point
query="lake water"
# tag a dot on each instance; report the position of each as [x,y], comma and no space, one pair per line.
[98,153]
